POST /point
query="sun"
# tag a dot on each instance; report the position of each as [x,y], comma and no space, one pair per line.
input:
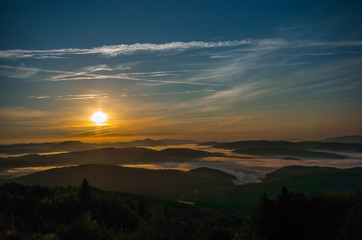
[99,118]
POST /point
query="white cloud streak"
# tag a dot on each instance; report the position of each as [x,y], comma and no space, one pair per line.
[122,49]
[129,49]
[172,93]
[40,97]
[82,96]
[238,93]
[17,113]
[101,67]
[86,74]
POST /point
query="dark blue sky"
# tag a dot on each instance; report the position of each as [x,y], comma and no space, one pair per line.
[210,70]
[62,24]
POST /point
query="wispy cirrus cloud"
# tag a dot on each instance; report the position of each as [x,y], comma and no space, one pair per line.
[15,113]
[121,49]
[39,97]
[129,49]
[101,67]
[90,73]
[72,97]
[172,93]
[82,96]
[243,92]
[17,72]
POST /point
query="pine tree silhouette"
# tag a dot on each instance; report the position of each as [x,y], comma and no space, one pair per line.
[85,195]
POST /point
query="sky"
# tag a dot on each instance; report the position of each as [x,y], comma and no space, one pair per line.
[203,70]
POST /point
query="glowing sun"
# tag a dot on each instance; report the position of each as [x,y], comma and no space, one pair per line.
[99,117]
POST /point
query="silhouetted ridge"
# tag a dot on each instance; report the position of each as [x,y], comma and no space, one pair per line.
[298,171]
[118,178]
[330,146]
[305,145]
[249,144]
[210,172]
[70,142]
[345,139]
[77,145]
[266,151]
[188,153]
[212,143]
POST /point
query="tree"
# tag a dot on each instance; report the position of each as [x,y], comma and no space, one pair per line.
[85,195]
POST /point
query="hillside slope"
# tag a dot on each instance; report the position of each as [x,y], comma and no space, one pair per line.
[115,178]
[306,180]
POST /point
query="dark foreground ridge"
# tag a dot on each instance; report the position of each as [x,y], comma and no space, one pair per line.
[315,203]
[83,213]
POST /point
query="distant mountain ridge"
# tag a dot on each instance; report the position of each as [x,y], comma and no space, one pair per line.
[293,149]
[333,144]
[307,145]
[264,151]
[345,139]
[78,145]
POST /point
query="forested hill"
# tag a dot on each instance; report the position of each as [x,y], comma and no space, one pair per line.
[116,178]
[84,213]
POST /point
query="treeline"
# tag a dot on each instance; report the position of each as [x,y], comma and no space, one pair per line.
[295,216]
[33,212]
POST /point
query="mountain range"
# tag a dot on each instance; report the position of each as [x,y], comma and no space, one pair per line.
[305,145]
[78,146]
[345,139]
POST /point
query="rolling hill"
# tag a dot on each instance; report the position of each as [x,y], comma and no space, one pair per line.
[303,171]
[306,180]
[137,180]
[205,187]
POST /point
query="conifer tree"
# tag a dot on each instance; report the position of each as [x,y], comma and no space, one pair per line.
[85,194]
